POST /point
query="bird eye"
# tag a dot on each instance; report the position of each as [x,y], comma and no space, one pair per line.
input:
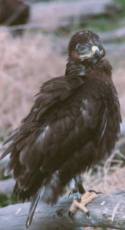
[77,48]
[80,48]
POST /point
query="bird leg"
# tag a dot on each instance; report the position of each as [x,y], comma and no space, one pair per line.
[77,186]
[86,198]
[53,189]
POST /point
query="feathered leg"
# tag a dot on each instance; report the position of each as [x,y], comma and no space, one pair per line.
[52,190]
[86,197]
[68,171]
[76,185]
[79,184]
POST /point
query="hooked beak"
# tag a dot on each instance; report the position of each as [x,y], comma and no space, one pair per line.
[93,52]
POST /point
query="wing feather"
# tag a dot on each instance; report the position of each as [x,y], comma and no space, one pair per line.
[56,127]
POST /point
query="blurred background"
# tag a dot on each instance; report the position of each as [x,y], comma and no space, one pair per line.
[33,48]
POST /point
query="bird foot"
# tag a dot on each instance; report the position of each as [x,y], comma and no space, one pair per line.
[81,204]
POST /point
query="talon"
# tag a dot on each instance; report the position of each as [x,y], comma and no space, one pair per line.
[81,205]
[93,191]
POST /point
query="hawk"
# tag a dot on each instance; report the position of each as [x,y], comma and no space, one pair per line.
[74,122]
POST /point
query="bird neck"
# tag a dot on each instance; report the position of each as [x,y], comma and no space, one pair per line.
[101,70]
[75,68]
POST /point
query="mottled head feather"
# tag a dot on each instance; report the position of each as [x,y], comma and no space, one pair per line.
[83,37]
[86,45]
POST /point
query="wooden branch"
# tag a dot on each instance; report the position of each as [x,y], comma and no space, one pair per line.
[105,211]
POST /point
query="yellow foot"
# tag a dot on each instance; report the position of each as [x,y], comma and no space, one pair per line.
[81,205]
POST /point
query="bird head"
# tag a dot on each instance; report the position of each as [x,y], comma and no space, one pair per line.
[86,47]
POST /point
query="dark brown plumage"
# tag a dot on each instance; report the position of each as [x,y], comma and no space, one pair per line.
[74,122]
[14,13]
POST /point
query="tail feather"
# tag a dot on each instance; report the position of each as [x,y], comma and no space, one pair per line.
[32,209]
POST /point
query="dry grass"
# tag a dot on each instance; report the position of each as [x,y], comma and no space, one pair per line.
[25,63]
[107,177]
[119,77]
